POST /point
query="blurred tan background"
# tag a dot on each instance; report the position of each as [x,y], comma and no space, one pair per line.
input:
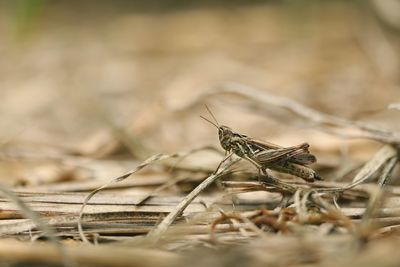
[71,72]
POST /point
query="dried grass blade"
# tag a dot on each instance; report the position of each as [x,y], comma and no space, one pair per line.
[381,158]
[386,174]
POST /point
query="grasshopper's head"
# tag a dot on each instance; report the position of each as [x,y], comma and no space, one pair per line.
[225,135]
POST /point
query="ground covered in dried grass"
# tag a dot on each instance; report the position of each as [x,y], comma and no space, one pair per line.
[104,160]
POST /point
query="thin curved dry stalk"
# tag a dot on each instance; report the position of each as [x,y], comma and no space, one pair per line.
[368,226]
[303,215]
[376,199]
[296,200]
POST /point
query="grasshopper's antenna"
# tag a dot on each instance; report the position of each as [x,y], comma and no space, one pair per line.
[209,121]
[212,115]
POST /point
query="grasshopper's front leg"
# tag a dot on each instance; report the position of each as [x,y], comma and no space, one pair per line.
[245,152]
[222,161]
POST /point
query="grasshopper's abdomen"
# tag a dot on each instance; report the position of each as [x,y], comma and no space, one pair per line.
[303,172]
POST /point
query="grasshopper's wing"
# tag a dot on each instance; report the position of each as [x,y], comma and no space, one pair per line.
[296,154]
[304,157]
[260,145]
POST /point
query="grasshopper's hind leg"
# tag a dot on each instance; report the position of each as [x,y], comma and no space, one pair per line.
[259,168]
[268,177]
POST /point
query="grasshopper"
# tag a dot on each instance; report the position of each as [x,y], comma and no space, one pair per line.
[264,155]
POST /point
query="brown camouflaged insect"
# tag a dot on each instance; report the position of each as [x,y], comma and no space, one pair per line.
[264,155]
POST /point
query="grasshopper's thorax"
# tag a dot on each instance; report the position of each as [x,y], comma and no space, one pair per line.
[231,141]
[225,137]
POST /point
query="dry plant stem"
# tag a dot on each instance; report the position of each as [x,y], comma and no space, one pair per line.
[300,204]
[335,125]
[386,175]
[147,162]
[29,213]
[163,226]
[377,194]
[376,201]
